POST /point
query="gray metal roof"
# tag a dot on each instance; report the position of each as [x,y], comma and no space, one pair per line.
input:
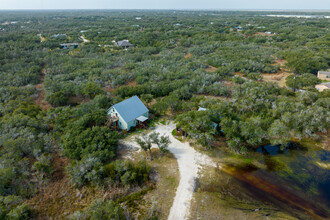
[325,73]
[124,43]
[69,44]
[131,108]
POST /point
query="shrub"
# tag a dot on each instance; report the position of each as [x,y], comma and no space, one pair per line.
[20,212]
[101,210]
[89,170]
[124,172]
[43,164]
[11,207]
[98,142]
[57,99]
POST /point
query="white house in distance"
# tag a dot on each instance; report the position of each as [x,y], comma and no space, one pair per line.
[128,113]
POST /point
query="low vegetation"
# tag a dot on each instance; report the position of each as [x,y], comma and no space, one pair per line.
[222,74]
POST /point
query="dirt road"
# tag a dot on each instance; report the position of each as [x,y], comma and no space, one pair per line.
[189,162]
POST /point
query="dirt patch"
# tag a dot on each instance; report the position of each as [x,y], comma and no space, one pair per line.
[280,62]
[238,74]
[279,78]
[211,69]
[111,90]
[188,55]
[132,83]
[263,34]
[40,100]
[108,89]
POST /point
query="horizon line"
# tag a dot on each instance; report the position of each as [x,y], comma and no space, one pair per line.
[161,9]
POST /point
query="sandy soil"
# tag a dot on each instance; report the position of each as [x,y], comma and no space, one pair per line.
[279,78]
[84,39]
[189,161]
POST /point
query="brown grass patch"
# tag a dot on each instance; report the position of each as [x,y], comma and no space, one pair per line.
[40,100]
[40,88]
[58,198]
[168,178]
[211,68]
[263,34]
[239,74]
[279,78]
[132,83]
[188,55]
[281,62]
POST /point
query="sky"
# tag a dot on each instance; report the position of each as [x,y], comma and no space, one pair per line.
[165,4]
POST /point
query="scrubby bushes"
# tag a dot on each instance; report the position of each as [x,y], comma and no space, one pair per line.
[12,207]
[124,172]
[99,209]
[302,81]
[259,113]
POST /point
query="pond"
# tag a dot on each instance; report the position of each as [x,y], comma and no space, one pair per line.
[293,175]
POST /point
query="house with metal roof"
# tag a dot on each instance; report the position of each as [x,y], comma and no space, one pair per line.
[128,113]
[69,46]
[124,44]
[324,75]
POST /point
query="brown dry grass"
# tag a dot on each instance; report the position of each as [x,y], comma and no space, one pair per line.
[188,55]
[168,178]
[220,196]
[58,198]
[111,90]
[211,69]
[40,100]
[263,34]
[280,76]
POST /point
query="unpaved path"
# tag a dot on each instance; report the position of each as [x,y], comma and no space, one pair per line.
[41,91]
[189,161]
[84,39]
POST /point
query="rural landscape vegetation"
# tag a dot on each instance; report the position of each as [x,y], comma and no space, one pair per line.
[236,128]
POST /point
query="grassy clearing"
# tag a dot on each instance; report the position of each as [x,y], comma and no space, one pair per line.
[167,176]
[219,196]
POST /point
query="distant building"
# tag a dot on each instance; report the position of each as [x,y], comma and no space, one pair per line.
[129,113]
[239,28]
[58,35]
[124,44]
[323,86]
[323,75]
[69,46]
